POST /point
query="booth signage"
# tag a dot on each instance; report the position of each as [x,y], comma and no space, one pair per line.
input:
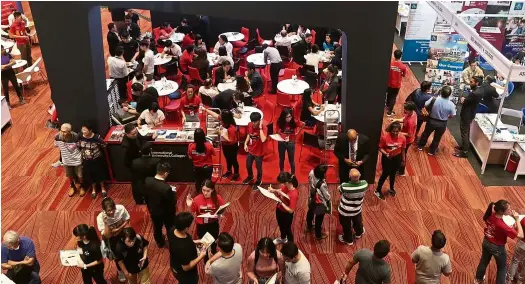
[420,24]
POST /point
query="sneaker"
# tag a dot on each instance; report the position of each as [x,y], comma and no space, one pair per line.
[82,192]
[22,102]
[121,276]
[358,237]
[401,174]
[323,236]
[235,177]
[379,195]
[227,174]
[460,154]
[459,148]
[392,192]
[431,153]
[57,164]
[340,239]
[256,185]
[247,180]
[419,148]
[72,191]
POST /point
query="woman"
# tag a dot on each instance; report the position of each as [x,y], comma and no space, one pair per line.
[171,49]
[284,212]
[202,64]
[309,109]
[518,259]
[223,56]
[409,122]
[319,200]
[93,166]
[206,202]
[243,86]
[328,44]
[88,247]
[8,75]
[230,142]
[264,262]
[188,39]
[313,58]
[496,234]
[201,153]
[152,116]
[138,78]
[392,146]
[287,128]
[331,84]
[132,255]
[208,89]
[199,43]
[165,31]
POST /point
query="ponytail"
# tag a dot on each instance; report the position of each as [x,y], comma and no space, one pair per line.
[488,213]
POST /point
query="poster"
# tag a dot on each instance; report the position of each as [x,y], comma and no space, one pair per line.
[514,36]
[419,26]
[446,58]
[493,28]
[441,25]
[473,7]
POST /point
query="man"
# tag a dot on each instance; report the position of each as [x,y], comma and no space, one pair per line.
[397,71]
[256,81]
[372,266]
[11,17]
[112,38]
[420,98]
[254,146]
[440,109]
[132,28]
[490,95]
[189,105]
[66,141]
[133,142]
[297,265]
[409,121]
[301,48]
[223,41]
[161,202]
[141,168]
[276,63]
[224,72]
[470,72]
[467,114]
[19,251]
[351,150]
[118,70]
[18,32]
[350,207]
[186,59]
[134,16]
[225,266]
[431,262]
[284,41]
[149,60]
[131,47]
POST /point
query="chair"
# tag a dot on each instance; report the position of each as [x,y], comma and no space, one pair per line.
[38,70]
[15,51]
[206,100]
[313,33]
[195,75]
[261,40]
[510,88]
[482,109]
[246,33]
[24,78]
[297,107]
[283,100]
[288,73]
[130,92]
[309,140]
[310,78]
[172,107]
[514,113]
[213,71]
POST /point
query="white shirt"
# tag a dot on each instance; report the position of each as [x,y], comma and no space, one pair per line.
[313,59]
[11,19]
[117,67]
[299,272]
[284,41]
[121,215]
[152,119]
[175,50]
[229,48]
[149,61]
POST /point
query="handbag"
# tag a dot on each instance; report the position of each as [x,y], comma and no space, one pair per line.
[106,250]
[428,109]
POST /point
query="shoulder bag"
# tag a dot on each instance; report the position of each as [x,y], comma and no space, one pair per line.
[428,109]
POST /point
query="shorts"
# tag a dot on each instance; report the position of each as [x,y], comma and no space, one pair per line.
[73,171]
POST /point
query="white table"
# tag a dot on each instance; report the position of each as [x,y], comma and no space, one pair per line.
[292,87]
[4,33]
[324,56]
[177,37]
[234,36]
[293,38]
[159,60]
[7,43]
[19,63]
[212,58]
[245,117]
[332,112]
[6,116]
[165,88]
[227,86]
[257,59]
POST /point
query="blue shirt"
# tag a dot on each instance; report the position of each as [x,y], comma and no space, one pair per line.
[442,108]
[27,248]
[420,99]
[329,46]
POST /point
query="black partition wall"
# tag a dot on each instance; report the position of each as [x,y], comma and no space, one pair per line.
[71,42]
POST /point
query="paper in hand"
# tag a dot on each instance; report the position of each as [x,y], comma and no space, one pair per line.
[272,280]
[70,258]
[207,240]
[217,213]
[277,137]
[270,195]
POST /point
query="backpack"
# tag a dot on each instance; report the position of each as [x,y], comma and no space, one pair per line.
[412,96]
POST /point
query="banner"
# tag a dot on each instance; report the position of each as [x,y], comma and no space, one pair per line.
[514,36]
[441,25]
[419,26]
[446,58]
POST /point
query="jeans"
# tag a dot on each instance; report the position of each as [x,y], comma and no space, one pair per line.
[285,220]
[275,68]
[10,76]
[464,127]
[25,53]
[201,175]
[436,126]
[349,222]
[185,278]
[230,154]
[391,96]
[402,168]
[96,273]
[290,148]
[517,260]
[318,220]
[159,221]
[488,250]
[258,164]
[390,167]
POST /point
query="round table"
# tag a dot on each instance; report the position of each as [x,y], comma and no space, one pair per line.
[165,88]
[161,60]
[245,117]
[323,56]
[7,43]
[212,58]
[292,87]
[4,26]
[176,37]
[227,86]
[257,59]
[293,38]
[19,63]
[331,112]
[234,36]
[4,33]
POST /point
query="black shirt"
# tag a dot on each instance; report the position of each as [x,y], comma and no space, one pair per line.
[130,48]
[161,200]
[144,101]
[133,29]
[224,100]
[182,252]
[256,83]
[131,256]
[113,42]
[305,112]
[90,252]
[132,147]
[468,109]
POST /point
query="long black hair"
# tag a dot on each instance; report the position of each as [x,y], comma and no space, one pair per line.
[282,119]
[266,244]
[320,171]
[211,185]
[285,177]
[200,139]
[89,232]
[499,207]
[227,118]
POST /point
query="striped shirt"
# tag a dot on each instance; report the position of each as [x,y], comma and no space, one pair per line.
[352,195]
[69,149]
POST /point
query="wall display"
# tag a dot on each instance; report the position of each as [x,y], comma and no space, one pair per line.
[441,25]
[473,7]
[514,36]
[493,28]
[420,24]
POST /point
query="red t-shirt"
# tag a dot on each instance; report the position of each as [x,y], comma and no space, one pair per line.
[288,131]
[203,205]
[190,106]
[497,232]
[397,72]
[19,29]
[292,202]
[255,145]
[201,159]
[185,60]
[409,126]
[187,40]
[394,146]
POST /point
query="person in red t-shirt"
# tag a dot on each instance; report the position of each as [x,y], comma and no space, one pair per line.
[208,201]
[392,145]
[496,234]
[18,32]
[165,31]
[188,39]
[189,105]
[186,59]
[518,259]
[288,195]
[409,122]
[396,74]
[287,128]
[201,153]
[254,146]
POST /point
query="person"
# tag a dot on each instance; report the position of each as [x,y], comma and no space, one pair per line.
[189,105]
[352,151]
[19,251]
[468,113]
[186,59]
[152,116]
[223,56]
[165,31]
[397,71]
[254,146]
[287,128]
[284,40]
[391,145]
[223,41]
[372,266]
[132,28]
[8,75]
[242,85]
[171,49]
[134,16]
[276,63]
[331,85]
[313,58]
[227,99]
[142,167]
[162,203]
[223,73]
[66,141]
[328,44]
[199,43]
[149,60]
[126,107]
[470,72]
[309,108]
[202,64]
[288,196]
[490,94]
[130,45]
[255,79]
[517,260]
[350,207]
[319,202]
[229,141]
[131,254]
[431,262]
[264,262]
[183,250]
[409,122]
[93,165]
[208,89]
[301,48]
[420,98]
[18,32]
[302,30]
[11,17]
[112,38]
[225,266]
[183,27]
[440,110]
[201,152]
[118,70]
[337,60]
[110,222]
[88,246]
[297,265]
[133,142]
